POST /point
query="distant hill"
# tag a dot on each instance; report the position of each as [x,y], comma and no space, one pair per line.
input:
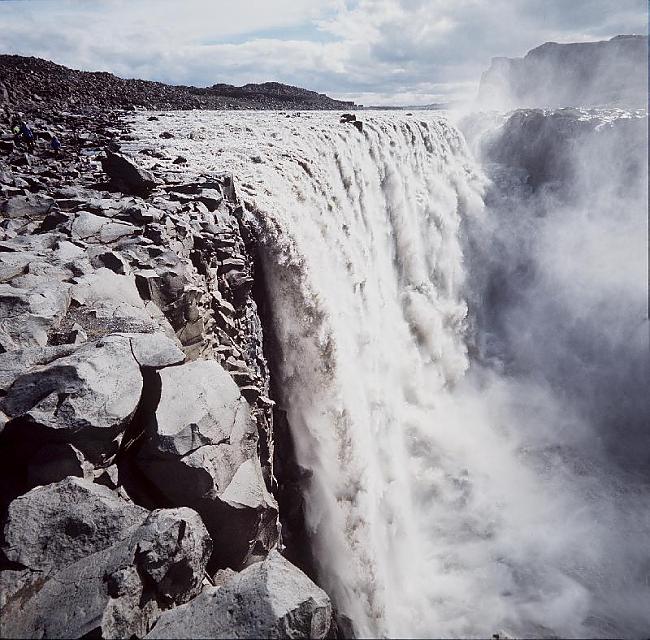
[28,81]
[607,73]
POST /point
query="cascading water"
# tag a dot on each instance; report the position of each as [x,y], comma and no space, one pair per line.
[428,511]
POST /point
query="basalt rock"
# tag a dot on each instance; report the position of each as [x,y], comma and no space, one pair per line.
[134,409]
[86,398]
[201,451]
[270,599]
[126,175]
[105,567]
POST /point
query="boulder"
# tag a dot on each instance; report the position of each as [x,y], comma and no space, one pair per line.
[15,363]
[35,207]
[158,564]
[270,599]
[156,350]
[92,228]
[126,175]
[201,451]
[55,525]
[86,398]
[28,313]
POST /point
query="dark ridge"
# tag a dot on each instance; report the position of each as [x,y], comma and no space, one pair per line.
[32,82]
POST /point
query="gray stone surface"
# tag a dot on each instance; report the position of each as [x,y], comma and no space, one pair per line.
[127,175]
[103,297]
[155,350]
[55,525]
[86,398]
[118,591]
[201,450]
[270,599]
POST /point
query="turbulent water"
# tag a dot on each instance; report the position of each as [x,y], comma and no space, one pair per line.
[450,495]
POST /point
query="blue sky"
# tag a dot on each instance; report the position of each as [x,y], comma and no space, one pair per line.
[372,51]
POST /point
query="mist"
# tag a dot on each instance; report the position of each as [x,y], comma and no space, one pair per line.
[557,272]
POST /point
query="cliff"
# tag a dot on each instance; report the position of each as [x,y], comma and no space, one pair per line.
[136,429]
[607,73]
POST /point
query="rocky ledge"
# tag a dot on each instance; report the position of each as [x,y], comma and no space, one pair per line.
[136,439]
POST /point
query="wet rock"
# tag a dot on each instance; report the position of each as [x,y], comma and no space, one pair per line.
[126,175]
[270,599]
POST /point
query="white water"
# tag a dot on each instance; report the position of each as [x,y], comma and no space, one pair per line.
[428,511]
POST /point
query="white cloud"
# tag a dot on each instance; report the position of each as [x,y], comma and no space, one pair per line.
[372,50]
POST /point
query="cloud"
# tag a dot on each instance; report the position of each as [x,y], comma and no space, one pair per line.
[378,50]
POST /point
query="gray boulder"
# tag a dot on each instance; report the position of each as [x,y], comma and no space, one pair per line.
[118,591]
[126,175]
[93,228]
[270,599]
[27,314]
[86,398]
[55,525]
[201,451]
[155,350]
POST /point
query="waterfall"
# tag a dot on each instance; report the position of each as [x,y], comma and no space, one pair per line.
[429,508]
[365,272]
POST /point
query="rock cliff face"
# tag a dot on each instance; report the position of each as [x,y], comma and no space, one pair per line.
[136,438]
[27,80]
[607,73]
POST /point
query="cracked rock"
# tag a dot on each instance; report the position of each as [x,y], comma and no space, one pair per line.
[86,398]
[269,599]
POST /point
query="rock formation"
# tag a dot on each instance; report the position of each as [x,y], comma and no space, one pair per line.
[607,73]
[136,439]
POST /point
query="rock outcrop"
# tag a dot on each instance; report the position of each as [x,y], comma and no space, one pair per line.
[583,74]
[136,440]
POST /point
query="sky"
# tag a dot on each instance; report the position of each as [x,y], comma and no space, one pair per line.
[389,52]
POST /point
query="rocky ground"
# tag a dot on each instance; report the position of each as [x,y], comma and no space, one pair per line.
[37,82]
[136,440]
